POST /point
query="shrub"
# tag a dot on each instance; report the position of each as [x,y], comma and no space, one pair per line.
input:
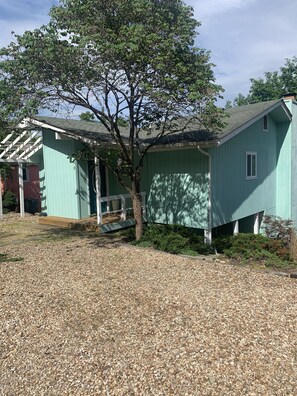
[247,248]
[277,228]
[222,243]
[174,239]
[279,248]
[128,234]
[256,248]
[9,201]
[198,244]
[173,243]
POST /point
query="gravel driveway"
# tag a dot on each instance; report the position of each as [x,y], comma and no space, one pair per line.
[89,316]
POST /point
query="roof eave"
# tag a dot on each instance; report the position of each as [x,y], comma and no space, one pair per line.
[182,146]
[161,147]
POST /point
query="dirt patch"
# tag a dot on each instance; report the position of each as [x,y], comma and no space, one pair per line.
[87,315]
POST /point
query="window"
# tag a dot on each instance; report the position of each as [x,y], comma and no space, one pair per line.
[251,165]
[25,173]
[265,123]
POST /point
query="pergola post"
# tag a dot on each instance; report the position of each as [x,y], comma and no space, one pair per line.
[98,190]
[21,191]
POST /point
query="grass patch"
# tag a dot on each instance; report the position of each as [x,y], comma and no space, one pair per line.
[5,258]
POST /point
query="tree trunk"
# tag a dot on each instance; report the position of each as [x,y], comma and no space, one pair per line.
[137,208]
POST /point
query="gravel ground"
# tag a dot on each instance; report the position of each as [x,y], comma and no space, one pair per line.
[83,315]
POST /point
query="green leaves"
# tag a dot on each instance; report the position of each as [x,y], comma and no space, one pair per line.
[272,86]
[130,60]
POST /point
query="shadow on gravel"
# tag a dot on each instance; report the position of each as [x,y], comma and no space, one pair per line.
[55,234]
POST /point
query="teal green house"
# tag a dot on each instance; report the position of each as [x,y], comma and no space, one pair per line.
[218,183]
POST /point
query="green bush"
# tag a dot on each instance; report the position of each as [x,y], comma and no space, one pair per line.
[128,234]
[173,239]
[173,243]
[256,249]
[222,243]
[9,201]
[279,248]
[277,228]
[246,248]
[198,244]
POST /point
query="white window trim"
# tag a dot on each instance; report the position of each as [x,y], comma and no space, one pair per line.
[247,154]
[267,123]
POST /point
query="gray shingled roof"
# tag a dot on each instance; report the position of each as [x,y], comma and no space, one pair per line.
[238,118]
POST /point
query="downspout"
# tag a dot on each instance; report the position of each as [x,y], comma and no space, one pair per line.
[208,233]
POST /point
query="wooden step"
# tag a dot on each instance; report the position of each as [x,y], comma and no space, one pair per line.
[87,224]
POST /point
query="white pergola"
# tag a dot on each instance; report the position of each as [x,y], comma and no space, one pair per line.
[17,148]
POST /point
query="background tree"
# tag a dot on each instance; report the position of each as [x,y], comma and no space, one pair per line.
[273,86]
[118,59]
[87,116]
[5,168]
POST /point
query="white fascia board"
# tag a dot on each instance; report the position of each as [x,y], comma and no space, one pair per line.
[60,131]
[46,126]
[82,139]
[255,119]
[60,134]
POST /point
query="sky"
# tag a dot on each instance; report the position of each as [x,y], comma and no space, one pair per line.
[246,38]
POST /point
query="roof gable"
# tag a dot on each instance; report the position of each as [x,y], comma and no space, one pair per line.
[242,117]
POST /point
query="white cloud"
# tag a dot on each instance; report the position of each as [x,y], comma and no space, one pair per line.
[19,16]
[246,38]
[25,9]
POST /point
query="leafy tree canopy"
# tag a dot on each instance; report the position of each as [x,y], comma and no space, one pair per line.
[131,60]
[87,116]
[272,86]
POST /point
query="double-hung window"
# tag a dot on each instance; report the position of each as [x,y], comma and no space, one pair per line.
[251,165]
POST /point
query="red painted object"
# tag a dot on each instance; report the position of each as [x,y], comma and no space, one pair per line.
[31,187]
